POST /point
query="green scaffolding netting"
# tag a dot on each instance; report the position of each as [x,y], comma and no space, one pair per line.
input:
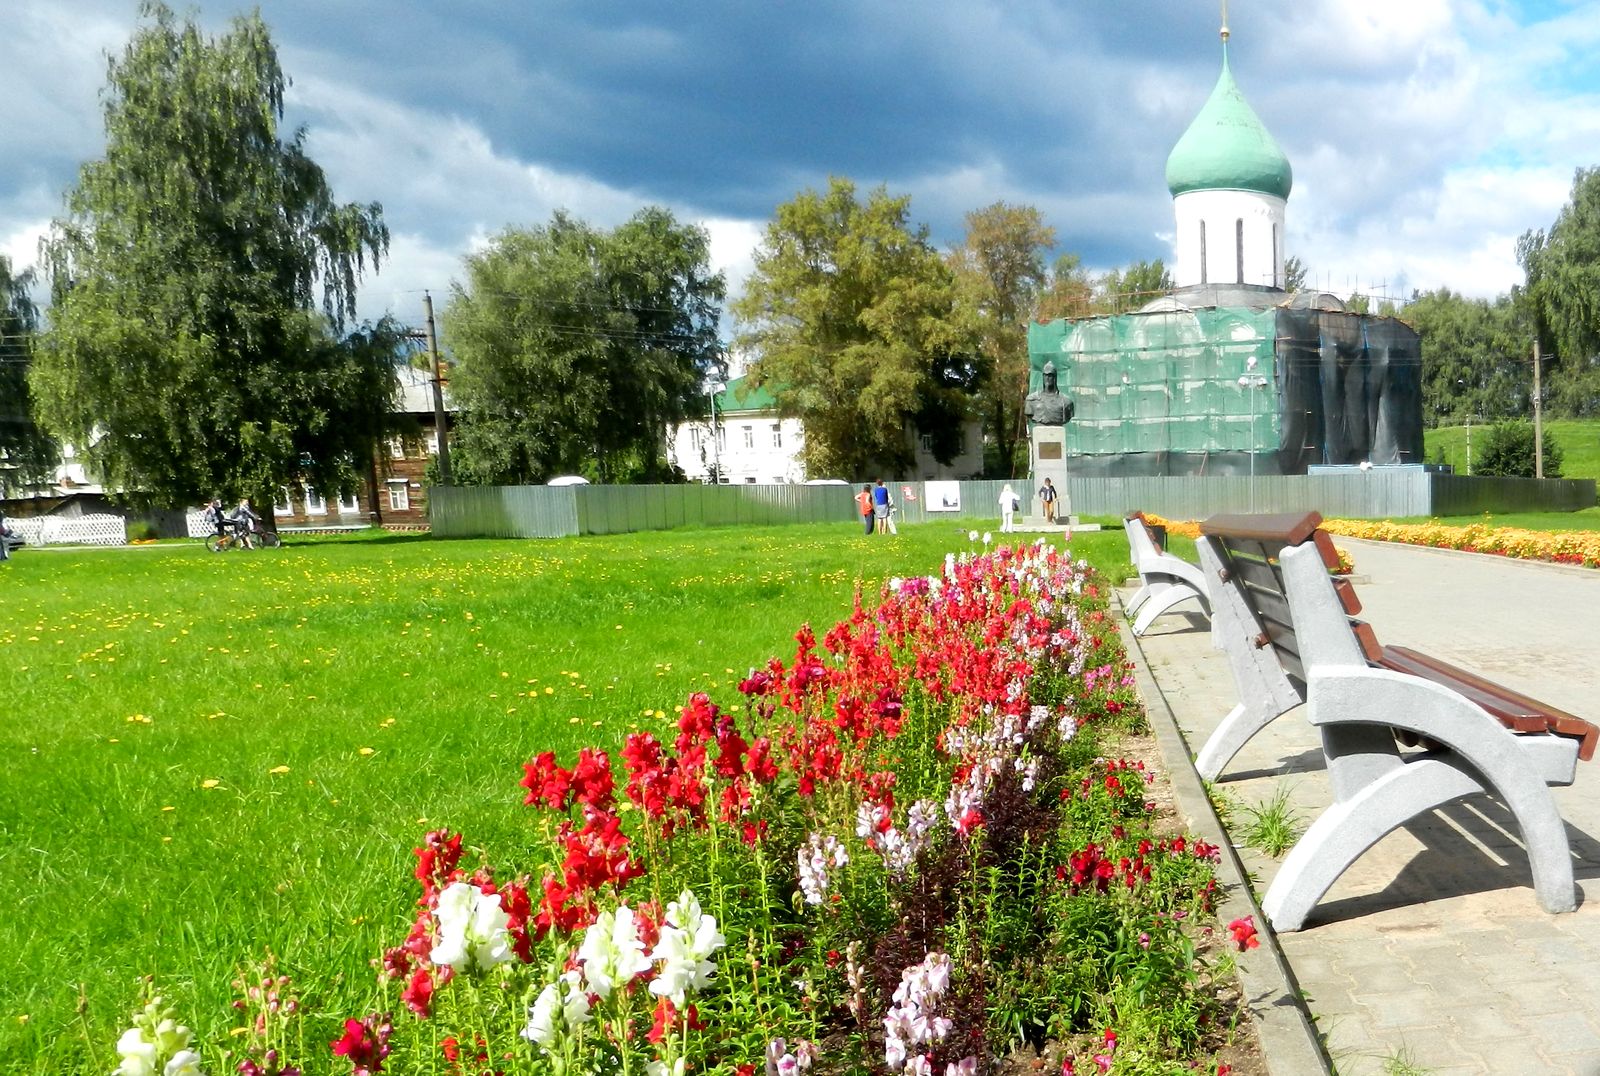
[1186,381]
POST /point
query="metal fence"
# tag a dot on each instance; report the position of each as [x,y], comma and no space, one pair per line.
[559,511]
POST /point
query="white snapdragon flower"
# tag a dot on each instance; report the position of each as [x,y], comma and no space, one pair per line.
[183,1063]
[611,952]
[561,1004]
[472,929]
[156,1045]
[138,1054]
[688,940]
[814,859]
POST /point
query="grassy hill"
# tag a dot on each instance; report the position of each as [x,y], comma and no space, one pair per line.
[1579,440]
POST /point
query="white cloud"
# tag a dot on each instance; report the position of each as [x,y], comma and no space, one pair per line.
[733,244]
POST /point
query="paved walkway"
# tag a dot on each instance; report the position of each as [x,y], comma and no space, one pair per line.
[1432,949]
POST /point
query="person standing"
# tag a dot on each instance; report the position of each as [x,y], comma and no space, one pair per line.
[880,506]
[1008,510]
[1047,495]
[864,507]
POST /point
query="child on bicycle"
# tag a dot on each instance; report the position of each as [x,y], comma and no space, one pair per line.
[245,521]
[216,518]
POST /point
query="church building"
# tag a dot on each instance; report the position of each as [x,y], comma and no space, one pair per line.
[1231,373]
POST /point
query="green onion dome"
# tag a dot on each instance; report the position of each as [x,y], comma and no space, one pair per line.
[1227,147]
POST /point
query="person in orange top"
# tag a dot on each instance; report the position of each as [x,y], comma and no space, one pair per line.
[864,506]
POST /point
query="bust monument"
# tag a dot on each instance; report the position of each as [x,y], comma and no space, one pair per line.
[1048,407]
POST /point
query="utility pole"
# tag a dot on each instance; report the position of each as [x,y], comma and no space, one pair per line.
[439,427]
[1538,416]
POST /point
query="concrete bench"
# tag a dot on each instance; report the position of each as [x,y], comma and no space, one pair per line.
[1402,733]
[1165,580]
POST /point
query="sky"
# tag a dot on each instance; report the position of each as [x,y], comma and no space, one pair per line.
[1425,135]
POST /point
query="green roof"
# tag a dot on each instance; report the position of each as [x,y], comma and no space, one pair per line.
[1227,147]
[742,394]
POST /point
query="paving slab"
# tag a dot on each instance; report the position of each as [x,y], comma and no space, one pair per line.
[1432,948]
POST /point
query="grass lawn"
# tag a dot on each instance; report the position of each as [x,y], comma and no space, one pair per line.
[1587,519]
[1579,440]
[212,757]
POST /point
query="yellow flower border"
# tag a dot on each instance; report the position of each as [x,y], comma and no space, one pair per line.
[1559,547]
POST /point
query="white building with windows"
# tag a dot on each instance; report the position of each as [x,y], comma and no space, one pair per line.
[755,445]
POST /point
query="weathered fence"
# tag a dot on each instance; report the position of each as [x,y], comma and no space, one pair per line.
[557,511]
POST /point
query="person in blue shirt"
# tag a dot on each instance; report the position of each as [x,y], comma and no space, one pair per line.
[880,506]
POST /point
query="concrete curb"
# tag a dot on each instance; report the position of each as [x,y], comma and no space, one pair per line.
[1289,1043]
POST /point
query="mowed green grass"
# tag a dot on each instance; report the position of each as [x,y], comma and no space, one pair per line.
[208,757]
[1579,440]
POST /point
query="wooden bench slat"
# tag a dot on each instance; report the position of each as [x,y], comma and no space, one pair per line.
[1256,573]
[1347,596]
[1510,707]
[1289,528]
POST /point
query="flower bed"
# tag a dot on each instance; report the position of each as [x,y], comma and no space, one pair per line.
[1562,547]
[902,850]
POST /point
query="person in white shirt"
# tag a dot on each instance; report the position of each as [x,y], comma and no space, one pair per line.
[1009,502]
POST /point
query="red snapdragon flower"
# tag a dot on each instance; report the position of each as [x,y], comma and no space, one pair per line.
[1244,933]
[365,1043]
[546,781]
[437,862]
[418,994]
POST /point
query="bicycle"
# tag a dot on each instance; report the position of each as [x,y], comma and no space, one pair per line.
[233,539]
[264,538]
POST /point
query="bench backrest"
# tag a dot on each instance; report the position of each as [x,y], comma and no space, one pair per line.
[1249,548]
[1141,541]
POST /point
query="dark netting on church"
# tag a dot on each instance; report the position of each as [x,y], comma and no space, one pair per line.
[1234,390]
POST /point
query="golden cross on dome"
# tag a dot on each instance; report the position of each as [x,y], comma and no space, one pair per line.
[1224,22]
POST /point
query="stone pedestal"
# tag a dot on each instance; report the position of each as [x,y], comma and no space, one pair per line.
[1047,458]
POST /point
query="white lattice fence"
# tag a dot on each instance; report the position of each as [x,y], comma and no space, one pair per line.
[196,521]
[79,530]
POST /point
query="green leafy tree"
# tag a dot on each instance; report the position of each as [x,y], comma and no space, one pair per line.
[1000,274]
[1295,274]
[576,348]
[1470,356]
[1069,293]
[1508,452]
[1563,290]
[27,455]
[1122,290]
[188,352]
[855,323]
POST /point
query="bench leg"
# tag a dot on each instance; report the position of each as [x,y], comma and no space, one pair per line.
[1348,828]
[1171,596]
[1140,598]
[1229,738]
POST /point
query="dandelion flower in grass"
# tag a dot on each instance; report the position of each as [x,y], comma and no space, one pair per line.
[972,536]
[688,940]
[611,952]
[472,929]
